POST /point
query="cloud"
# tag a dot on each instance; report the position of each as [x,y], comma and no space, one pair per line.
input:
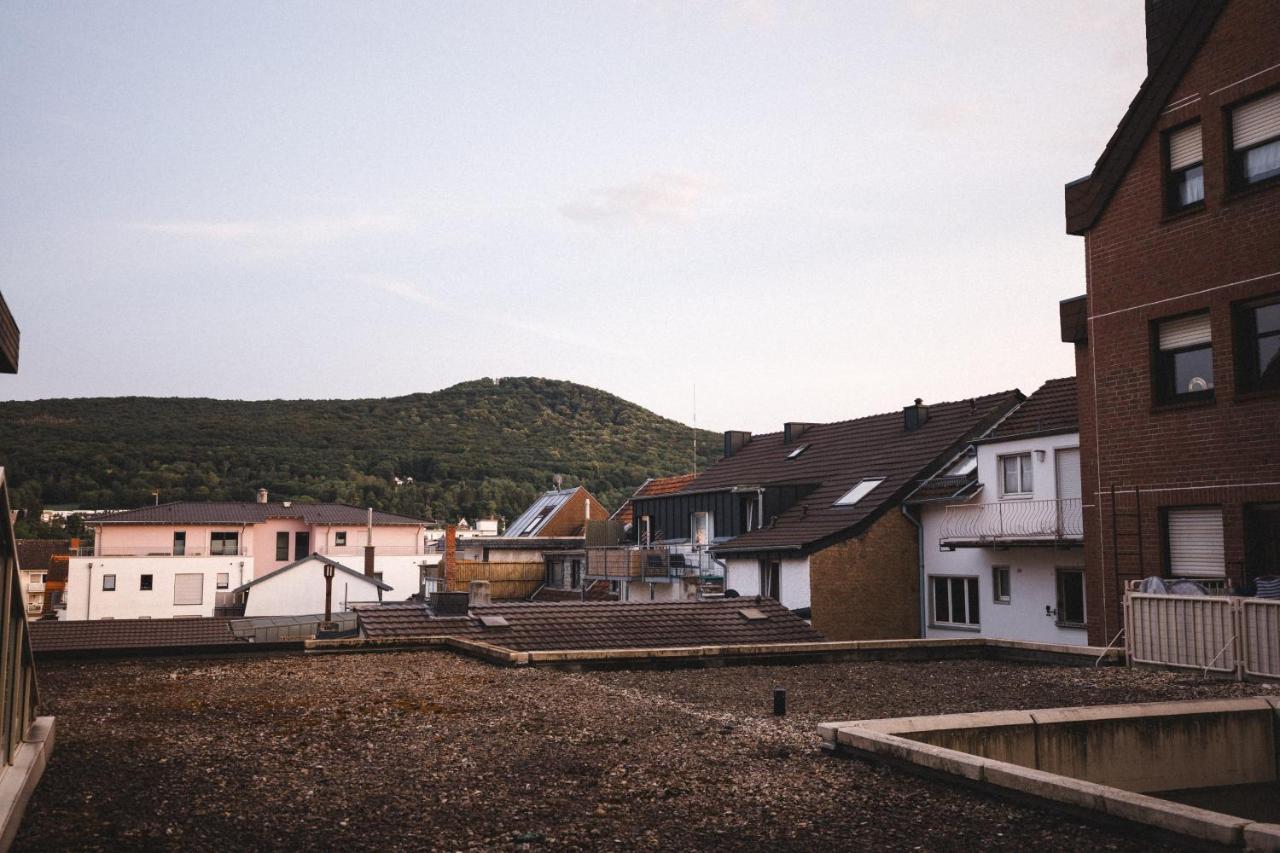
[660,197]
[281,232]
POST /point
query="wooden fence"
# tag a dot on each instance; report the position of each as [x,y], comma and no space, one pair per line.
[1227,635]
[506,580]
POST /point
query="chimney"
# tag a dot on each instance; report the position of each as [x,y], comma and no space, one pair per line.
[479,593]
[450,554]
[792,430]
[915,416]
[368,546]
[262,496]
[1165,19]
[735,440]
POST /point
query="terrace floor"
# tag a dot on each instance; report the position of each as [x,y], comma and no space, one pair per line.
[422,750]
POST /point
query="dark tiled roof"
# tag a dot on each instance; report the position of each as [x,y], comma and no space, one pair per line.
[38,553]
[248,512]
[124,634]
[1180,41]
[325,560]
[1052,408]
[839,456]
[652,487]
[534,626]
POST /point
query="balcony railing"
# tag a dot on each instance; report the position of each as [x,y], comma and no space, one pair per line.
[1013,521]
[35,586]
[380,550]
[656,562]
[164,551]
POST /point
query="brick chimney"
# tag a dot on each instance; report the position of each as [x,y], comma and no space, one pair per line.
[450,554]
[735,440]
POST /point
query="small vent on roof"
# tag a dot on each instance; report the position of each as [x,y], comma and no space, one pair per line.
[494,621]
[753,614]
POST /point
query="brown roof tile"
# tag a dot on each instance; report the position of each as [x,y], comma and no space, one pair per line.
[537,626]
[125,634]
[1052,408]
[39,553]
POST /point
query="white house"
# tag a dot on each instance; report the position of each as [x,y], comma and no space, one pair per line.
[298,589]
[1002,529]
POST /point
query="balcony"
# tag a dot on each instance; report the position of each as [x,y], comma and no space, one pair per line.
[379,550]
[35,586]
[1011,522]
[165,551]
[653,563]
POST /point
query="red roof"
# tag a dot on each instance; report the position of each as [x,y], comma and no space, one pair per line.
[651,488]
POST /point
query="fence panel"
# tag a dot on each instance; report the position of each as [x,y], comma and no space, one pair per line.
[1260,618]
[506,580]
[1181,630]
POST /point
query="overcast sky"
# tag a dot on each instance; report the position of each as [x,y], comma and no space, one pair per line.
[810,211]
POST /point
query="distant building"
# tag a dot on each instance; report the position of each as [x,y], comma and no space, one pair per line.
[43,566]
[1177,340]
[184,559]
[1003,532]
[299,589]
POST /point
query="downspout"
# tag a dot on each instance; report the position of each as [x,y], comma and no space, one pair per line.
[924,621]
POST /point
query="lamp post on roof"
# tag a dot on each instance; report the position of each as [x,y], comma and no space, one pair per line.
[328,592]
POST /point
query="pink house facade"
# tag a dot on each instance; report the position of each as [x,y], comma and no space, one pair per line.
[145,562]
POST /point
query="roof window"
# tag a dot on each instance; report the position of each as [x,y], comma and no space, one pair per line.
[801,449]
[859,492]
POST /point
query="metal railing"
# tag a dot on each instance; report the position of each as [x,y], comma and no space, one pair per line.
[664,562]
[997,521]
[1228,635]
[381,550]
[19,695]
[35,586]
[164,551]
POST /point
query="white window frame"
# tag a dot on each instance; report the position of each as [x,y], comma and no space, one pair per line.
[996,597]
[933,603]
[1026,470]
[709,528]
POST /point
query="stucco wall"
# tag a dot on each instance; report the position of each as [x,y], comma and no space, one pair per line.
[743,576]
[86,599]
[300,592]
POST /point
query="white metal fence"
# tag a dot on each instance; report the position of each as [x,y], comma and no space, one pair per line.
[1227,635]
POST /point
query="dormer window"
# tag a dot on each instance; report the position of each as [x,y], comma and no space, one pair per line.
[1255,140]
[858,492]
[1184,184]
[801,449]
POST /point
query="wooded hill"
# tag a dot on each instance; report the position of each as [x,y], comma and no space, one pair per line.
[479,448]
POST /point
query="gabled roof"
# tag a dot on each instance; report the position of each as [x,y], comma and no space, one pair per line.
[539,513]
[838,457]
[650,488]
[1181,31]
[1053,408]
[534,626]
[37,554]
[249,512]
[307,559]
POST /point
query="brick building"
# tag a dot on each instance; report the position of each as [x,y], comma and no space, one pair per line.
[1177,339]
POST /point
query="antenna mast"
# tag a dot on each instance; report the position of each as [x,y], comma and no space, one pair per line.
[695,427]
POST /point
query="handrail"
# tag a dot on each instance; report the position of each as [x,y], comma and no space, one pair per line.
[1014,519]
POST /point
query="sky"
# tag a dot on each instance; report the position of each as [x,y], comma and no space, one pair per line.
[738,212]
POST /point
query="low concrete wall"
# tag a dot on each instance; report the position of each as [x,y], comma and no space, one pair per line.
[19,779]
[1099,760]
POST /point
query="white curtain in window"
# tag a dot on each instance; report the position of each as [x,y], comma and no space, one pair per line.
[1185,332]
[1256,121]
[1185,148]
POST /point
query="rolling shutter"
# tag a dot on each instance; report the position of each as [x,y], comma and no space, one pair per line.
[1185,332]
[1256,121]
[188,589]
[1195,543]
[1185,148]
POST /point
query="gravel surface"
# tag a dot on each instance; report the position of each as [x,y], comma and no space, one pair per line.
[428,750]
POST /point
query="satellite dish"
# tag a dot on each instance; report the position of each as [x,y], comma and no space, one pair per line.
[1197,383]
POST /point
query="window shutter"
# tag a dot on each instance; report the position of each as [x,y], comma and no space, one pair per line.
[1255,121]
[1195,543]
[1185,148]
[1185,332]
[188,589]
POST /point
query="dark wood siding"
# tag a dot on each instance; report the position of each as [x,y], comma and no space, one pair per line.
[672,514]
[8,340]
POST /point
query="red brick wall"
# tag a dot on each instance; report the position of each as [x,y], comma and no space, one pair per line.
[1143,267]
[869,588]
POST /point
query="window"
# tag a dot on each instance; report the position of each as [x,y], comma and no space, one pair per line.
[1255,141]
[701,528]
[1195,542]
[1184,183]
[801,449]
[858,492]
[1184,359]
[179,543]
[771,579]
[188,589]
[108,583]
[955,601]
[536,522]
[1070,598]
[646,530]
[144,583]
[1000,584]
[282,546]
[224,543]
[340,538]
[224,580]
[1015,475]
[1258,345]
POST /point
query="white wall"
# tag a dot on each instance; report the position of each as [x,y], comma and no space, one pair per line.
[1043,477]
[86,599]
[1032,586]
[743,575]
[400,572]
[300,592]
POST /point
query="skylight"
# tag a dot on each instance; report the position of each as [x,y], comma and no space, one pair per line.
[801,449]
[858,492]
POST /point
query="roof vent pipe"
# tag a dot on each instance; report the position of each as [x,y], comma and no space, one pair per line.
[262,496]
[915,416]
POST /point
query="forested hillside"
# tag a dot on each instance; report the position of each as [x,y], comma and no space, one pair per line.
[478,448]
